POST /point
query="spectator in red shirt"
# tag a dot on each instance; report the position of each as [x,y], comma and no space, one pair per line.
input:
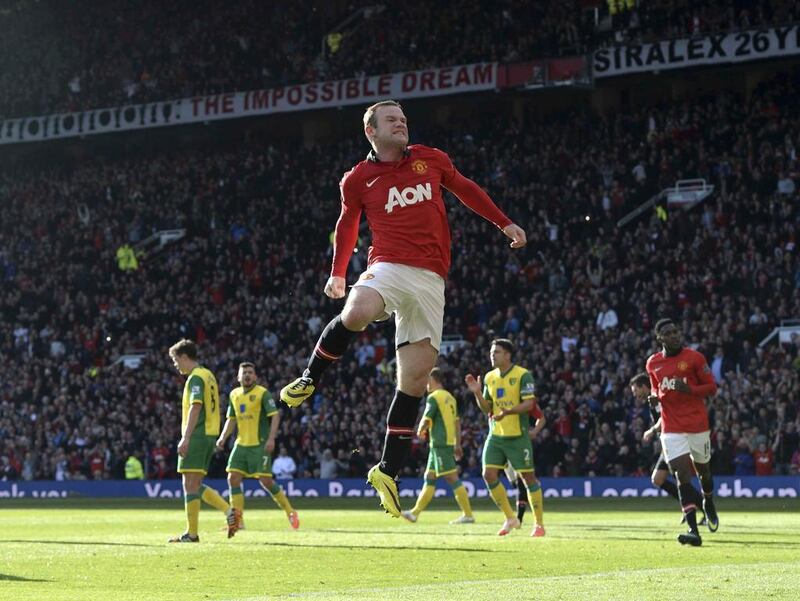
[764,459]
[563,424]
[97,464]
[159,452]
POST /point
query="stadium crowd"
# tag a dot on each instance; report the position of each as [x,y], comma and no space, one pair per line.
[58,57]
[579,302]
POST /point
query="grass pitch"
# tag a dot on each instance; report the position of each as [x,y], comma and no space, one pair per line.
[95,550]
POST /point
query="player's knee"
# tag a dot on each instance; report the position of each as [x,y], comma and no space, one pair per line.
[191,485]
[266,481]
[657,478]
[355,319]
[360,312]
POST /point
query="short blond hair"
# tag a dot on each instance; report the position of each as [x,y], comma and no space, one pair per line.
[369,115]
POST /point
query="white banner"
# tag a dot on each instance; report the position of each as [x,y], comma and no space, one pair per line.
[709,49]
[411,84]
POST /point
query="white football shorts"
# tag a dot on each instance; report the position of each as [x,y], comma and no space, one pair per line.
[697,444]
[414,295]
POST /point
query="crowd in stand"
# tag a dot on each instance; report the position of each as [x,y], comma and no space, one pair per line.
[579,301]
[68,56]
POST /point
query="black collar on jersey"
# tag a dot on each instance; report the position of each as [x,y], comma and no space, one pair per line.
[372,156]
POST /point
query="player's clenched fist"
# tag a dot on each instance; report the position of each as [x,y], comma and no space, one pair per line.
[334,287]
[517,235]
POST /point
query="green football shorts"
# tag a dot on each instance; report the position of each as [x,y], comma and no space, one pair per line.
[517,451]
[198,457]
[252,462]
[441,461]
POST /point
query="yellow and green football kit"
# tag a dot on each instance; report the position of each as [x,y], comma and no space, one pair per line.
[441,411]
[251,408]
[200,388]
[508,440]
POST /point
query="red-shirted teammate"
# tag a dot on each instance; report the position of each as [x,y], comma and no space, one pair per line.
[399,189]
[681,381]
[522,487]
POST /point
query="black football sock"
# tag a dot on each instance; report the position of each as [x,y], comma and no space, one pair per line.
[522,498]
[708,486]
[670,488]
[698,498]
[331,346]
[708,495]
[688,495]
[399,432]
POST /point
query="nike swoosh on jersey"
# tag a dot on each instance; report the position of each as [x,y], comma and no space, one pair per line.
[369,184]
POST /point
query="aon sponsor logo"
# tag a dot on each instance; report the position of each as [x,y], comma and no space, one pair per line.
[408,196]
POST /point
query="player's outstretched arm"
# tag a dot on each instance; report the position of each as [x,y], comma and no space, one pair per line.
[473,196]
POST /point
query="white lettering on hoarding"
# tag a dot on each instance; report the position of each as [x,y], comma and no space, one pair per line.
[734,47]
[414,84]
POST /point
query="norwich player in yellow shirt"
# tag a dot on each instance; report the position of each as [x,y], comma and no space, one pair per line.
[506,396]
[441,424]
[199,429]
[252,409]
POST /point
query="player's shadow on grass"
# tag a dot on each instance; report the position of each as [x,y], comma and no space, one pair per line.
[74,542]
[710,538]
[409,532]
[750,543]
[738,529]
[11,578]
[387,547]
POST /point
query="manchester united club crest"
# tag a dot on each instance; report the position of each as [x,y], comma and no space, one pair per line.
[419,167]
[683,365]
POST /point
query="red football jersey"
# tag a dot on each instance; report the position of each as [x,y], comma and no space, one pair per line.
[405,211]
[681,412]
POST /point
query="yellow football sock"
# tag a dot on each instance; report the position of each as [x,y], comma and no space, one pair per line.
[462,498]
[192,504]
[237,498]
[280,498]
[536,500]
[425,496]
[500,498]
[213,498]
